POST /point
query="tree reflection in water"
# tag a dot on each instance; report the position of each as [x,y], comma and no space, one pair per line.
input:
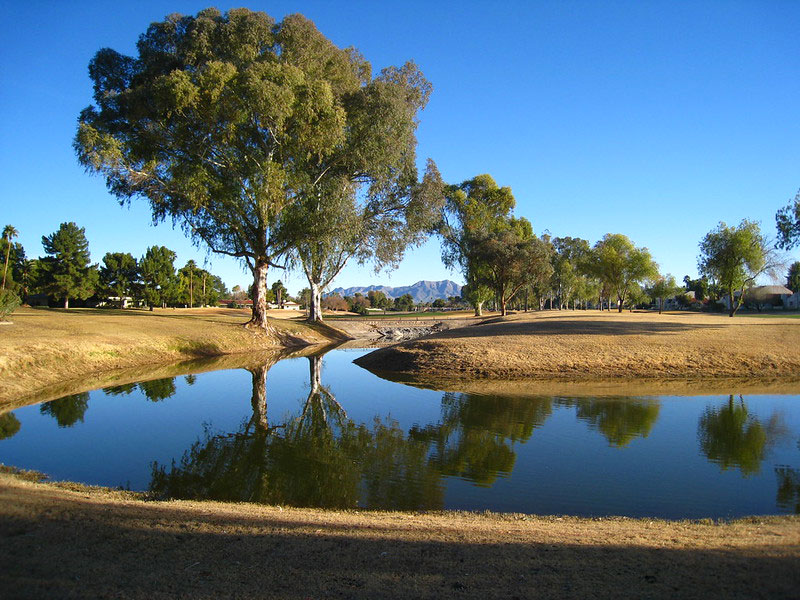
[9,425]
[475,439]
[788,488]
[319,458]
[620,420]
[67,410]
[733,438]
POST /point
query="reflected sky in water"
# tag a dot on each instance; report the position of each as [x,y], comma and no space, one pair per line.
[323,432]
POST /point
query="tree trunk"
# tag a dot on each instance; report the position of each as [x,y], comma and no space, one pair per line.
[479,309]
[660,305]
[66,302]
[314,373]
[259,318]
[734,306]
[502,306]
[259,398]
[8,253]
[315,304]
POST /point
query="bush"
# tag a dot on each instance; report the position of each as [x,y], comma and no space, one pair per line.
[9,302]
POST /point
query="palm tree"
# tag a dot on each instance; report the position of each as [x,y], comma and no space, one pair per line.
[8,232]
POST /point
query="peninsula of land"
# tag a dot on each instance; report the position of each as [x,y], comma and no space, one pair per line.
[580,345]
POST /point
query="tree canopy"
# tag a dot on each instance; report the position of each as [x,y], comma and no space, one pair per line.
[159,281]
[223,121]
[733,257]
[793,277]
[787,221]
[620,266]
[66,271]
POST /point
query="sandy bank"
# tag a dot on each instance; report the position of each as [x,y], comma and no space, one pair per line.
[594,345]
[65,540]
[50,352]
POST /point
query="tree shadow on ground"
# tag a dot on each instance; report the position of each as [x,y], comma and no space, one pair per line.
[73,548]
[550,327]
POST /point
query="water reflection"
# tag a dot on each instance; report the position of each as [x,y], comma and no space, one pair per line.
[317,454]
[67,410]
[476,436]
[9,425]
[157,390]
[788,489]
[733,438]
[318,458]
[620,420]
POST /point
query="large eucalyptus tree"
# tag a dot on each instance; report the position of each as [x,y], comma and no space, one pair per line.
[223,121]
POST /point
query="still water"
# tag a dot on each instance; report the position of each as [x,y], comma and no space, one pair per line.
[320,431]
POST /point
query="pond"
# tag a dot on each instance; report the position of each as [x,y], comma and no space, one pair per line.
[320,431]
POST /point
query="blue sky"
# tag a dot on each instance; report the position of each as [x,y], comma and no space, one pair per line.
[652,119]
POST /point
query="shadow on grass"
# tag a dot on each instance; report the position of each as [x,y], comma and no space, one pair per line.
[548,327]
[72,549]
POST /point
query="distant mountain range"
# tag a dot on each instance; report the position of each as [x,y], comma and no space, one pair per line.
[422,291]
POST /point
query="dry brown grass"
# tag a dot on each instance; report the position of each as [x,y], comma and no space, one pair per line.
[58,349]
[67,540]
[580,345]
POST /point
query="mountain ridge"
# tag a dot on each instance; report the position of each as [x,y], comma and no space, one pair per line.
[421,291]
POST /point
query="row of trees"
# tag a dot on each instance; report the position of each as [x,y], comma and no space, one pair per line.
[266,142]
[359,303]
[502,260]
[66,273]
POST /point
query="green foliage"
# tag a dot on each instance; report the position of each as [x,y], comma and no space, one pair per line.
[731,437]
[619,420]
[404,303]
[68,410]
[119,274]
[787,220]
[157,271]
[66,272]
[700,287]
[474,211]
[620,266]
[568,259]
[9,302]
[664,288]
[8,232]
[304,298]
[9,425]
[279,291]
[378,299]
[188,277]
[793,277]
[157,390]
[733,257]
[224,121]
[509,257]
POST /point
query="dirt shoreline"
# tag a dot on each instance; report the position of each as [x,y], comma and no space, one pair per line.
[69,540]
[48,353]
[590,345]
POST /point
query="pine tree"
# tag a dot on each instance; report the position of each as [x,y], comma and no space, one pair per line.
[67,271]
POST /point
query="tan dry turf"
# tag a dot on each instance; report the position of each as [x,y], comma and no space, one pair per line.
[56,349]
[595,345]
[70,541]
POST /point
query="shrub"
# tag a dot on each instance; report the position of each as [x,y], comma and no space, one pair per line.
[9,302]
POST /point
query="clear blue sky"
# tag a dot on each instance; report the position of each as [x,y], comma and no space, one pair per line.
[652,119]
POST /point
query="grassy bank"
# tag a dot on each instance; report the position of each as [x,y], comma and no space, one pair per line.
[595,345]
[52,351]
[65,540]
